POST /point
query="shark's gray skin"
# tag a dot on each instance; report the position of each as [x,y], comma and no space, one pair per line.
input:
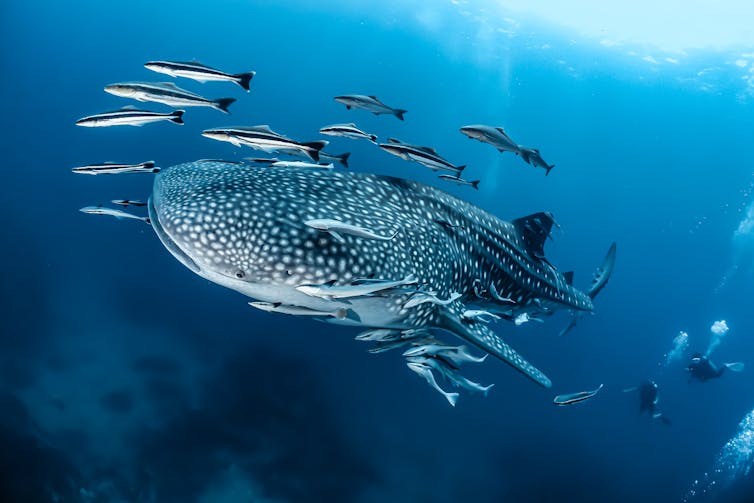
[243,227]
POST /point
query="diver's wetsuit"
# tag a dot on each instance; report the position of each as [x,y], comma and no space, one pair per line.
[648,400]
[700,367]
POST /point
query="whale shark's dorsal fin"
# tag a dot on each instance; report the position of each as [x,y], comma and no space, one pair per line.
[534,230]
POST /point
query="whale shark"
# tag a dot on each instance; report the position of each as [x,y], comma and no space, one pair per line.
[244,227]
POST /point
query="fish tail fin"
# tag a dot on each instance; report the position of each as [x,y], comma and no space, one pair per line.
[735,367]
[177,117]
[373,138]
[398,112]
[222,104]
[343,159]
[243,79]
[148,164]
[452,397]
[146,220]
[475,184]
[486,389]
[481,336]
[548,169]
[313,149]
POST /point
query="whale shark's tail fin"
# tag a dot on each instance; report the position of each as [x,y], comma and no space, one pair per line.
[604,272]
[481,336]
[601,277]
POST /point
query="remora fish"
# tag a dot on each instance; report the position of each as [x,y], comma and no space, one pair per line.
[460,181]
[300,165]
[426,156]
[111,168]
[113,212]
[532,156]
[424,371]
[225,222]
[572,398]
[277,307]
[331,291]
[348,131]
[129,116]
[369,103]
[341,159]
[495,136]
[199,72]
[128,202]
[166,93]
[265,139]
[336,228]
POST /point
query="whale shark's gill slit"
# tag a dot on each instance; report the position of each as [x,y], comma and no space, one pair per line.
[167,241]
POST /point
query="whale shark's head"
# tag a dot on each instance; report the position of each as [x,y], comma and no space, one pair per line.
[216,227]
[242,227]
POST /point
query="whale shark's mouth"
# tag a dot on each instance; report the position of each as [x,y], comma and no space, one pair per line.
[167,241]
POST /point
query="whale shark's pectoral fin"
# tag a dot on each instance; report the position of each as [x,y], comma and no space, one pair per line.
[484,338]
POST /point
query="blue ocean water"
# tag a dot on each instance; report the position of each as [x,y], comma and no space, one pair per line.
[125,377]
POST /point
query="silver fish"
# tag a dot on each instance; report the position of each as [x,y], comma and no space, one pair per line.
[369,103]
[572,398]
[129,116]
[199,72]
[265,139]
[379,335]
[460,181]
[337,228]
[128,202]
[533,157]
[479,315]
[113,212]
[495,136]
[425,372]
[451,374]
[425,156]
[329,291]
[458,355]
[300,165]
[278,307]
[111,168]
[422,297]
[341,159]
[383,346]
[166,93]
[348,131]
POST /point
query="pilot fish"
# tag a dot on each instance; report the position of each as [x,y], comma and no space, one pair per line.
[244,227]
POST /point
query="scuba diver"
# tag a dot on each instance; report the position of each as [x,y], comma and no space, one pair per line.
[648,399]
[702,369]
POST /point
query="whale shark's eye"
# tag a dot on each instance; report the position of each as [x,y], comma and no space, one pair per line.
[240,274]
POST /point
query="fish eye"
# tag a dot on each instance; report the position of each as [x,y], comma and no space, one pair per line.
[240,274]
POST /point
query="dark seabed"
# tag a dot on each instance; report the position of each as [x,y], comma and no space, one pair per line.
[124,377]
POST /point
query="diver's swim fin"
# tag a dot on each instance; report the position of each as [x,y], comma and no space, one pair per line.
[484,338]
[735,367]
